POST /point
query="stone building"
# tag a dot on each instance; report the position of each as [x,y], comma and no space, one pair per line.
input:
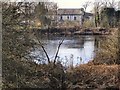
[72,17]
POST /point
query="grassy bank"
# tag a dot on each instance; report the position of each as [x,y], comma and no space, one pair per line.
[94,76]
[30,75]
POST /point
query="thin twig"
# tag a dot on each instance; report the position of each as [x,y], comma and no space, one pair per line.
[43,49]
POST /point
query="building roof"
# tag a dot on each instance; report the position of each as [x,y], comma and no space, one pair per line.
[87,15]
[70,11]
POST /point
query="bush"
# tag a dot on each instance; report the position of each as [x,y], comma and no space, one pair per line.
[108,50]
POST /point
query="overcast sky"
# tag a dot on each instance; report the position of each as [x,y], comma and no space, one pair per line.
[76,3]
[71,3]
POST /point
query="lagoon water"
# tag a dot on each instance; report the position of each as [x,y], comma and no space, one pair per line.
[75,50]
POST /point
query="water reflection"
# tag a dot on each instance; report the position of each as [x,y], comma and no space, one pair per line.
[73,51]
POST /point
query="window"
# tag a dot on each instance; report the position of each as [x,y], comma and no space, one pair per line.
[61,18]
[74,18]
[67,17]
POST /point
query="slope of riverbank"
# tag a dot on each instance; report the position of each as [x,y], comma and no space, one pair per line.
[26,74]
[94,76]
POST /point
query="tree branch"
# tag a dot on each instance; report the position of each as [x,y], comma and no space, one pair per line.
[43,48]
[60,43]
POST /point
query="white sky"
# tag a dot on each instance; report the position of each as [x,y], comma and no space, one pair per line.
[77,3]
[71,3]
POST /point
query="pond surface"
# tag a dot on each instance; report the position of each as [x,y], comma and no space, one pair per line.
[74,50]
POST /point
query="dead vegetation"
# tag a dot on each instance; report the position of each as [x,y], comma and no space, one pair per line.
[108,50]
[18,73]
[94,76]
[101,73]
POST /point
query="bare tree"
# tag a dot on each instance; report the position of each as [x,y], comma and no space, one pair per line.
[97,8]
[112,3]
[85,6]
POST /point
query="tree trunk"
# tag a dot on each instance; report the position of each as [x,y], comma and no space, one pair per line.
[98,20]
[95,21]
